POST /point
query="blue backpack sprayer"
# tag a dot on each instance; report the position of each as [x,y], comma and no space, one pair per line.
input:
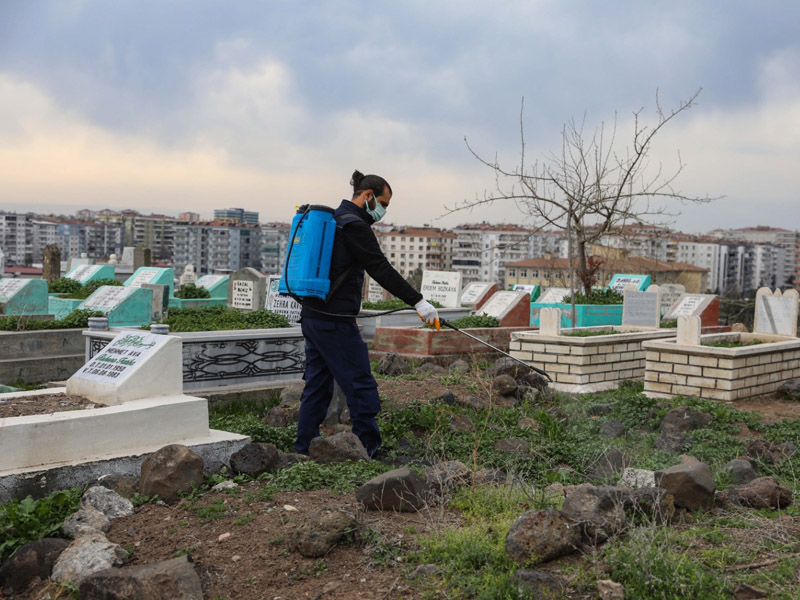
[306,270]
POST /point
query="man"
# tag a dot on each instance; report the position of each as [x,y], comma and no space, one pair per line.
[334,347]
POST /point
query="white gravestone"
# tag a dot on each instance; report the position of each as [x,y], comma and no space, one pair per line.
[550,321]
[247,290]
[243,294]
[670,292]
[134,365]
[108,296]
[689,329]
[442,286]
[10,287]
[524,287]
[474,292]
[641,309]
[776,313]
[209,281]
[689,305]
[189,275]
[501,303]
[620,282]
[143,276]
[282,305]
[553,295]
[82,273]
[374,291]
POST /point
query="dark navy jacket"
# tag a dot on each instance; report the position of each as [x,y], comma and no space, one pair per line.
[355,247]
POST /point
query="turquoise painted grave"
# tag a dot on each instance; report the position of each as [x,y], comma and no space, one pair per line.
[619,281]
[534,290]
[23,297]
[154,275]
[217,286]
[124,306]
[586,315]
[86,273]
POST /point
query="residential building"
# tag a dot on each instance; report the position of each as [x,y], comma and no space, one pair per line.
[216,247]
[409,248]
[192,217]
[482,250]
[16,238]
[784,238]
[274,240]
[236,215]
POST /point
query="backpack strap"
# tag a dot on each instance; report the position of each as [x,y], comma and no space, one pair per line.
[341,221]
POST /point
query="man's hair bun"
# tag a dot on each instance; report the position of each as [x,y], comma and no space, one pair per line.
[356,179]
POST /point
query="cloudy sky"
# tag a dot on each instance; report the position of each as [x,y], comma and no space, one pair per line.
[175,105]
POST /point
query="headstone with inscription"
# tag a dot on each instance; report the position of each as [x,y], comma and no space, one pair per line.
[142,256]
[124,306]
[511,308]
[689,329]
[134,365]
[533,290]
[373,291]
[189,275]
[160,299]
[217,285]
[705,306]
[248,290]
[550,321]
[670,292]
[23,296]
[619,281]
[476,294]
[127,255]
[282,305]
[154,275]
[641,309]
[442,286]
[86,273]
[776,313]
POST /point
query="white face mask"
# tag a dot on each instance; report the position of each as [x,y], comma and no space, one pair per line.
[377,212]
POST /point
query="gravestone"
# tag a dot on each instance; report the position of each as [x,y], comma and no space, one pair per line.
[373,290]
[641,309]
[248,290]
[670,292]
[282,305]
[550,321]
[134,365]
[511,308]
[705,306]
[442,286]
[142,257]
[477,293]
[2,262]
[154,275]
[188,276]
[553,295]
[23,296]
[776,313]
[689,329]
[124,306]
[160,300]
[533,290]
[86,273]
[217,285]
[619,281]
[51,263]
[128,253]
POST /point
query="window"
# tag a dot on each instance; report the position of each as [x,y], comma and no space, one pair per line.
[523,272]
[535,273]
[511,272]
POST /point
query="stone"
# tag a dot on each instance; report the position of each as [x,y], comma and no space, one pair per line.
[682,419]
[489,477]
[442,286]
[291,394]
[174,578]
[431,369]
[223,486]
[125,485]
[610,462]
[449,398]
[638,478]
[610,590]
[446,476]
[541,535]
[511,446]
[337,448]
[32,561]
[459,422]
[86,555]
[505,385]
[613,428]
[51,263]
[532,381]
[84,521]
[776,313]
[655,503]
[598,410]
[507,366]
[107,501]
[397,490]
[689,330]
[740,471]
[739,328]
[598,511]
[336,408]
[764,492]
[744,591]
[528,423]
[481,402]
[247,290]
[790,390]
[321,530]
[459,366]
[510,308]
[392,365]
[691,485]
[254,458]
[641,309]
[538,585]
[169,471]
[770,452]
[670,442]
[425,570]
[290,458]
[282,416]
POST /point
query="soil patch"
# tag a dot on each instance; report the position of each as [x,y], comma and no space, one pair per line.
[770,407]
[45,404]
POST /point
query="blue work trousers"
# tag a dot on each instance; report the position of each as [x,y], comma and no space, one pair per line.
[335,350]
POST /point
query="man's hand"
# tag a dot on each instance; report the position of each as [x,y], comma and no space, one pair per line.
[427,313]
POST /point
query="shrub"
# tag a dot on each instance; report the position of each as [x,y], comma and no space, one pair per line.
[64,285]
[217,318]
[605,296]
[191,291]
[76,319]
[392,304]
[75,290]
[476,321]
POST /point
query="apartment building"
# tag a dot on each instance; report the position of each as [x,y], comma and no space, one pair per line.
[482,250]
[236,215]
[215,247]
[274,241]
[763,235]
[16,238]
[409,248]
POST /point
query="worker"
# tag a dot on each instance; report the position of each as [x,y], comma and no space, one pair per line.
[334,347]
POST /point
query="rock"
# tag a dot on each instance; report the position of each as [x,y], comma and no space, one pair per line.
[744,591]
[691,485]
[764,492]
[175,579]
[610,590]
[507,366]
[225,485]
[400,489]
[392,365]
[790,390]
[598,511]
[125,485]
[739,328]
[321,530]
[431,369]
[459,366]
[459,422]
[254,458]
[336,408]
[86,555]
[598,410]
[670,442]
[541,535]
[638,478]
[655,503]
[289,458]
[425,570]
[532,381]
[481,402]
[282,416]
[337,448]
[528,423]
[770,452]
[32,561]
[505,385]
[107,501]
[84,521]
[291,394]
[537,585]
[171,470]
[449,398]
[740,471]
[683,418]
[447,475]
[489,477]
[511,446]
[610,462]
[613,429]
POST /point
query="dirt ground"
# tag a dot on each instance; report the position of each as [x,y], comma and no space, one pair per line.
[42,405]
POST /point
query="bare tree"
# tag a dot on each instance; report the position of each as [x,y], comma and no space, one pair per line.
[592,187]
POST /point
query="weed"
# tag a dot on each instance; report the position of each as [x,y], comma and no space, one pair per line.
[339,478]
[243,520]
[210,512]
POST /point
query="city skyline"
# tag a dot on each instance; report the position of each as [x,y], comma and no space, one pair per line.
[200,105]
